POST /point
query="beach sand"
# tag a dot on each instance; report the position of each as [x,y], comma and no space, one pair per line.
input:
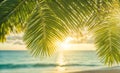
[99,71]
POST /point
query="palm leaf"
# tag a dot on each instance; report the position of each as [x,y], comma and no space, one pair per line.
[73,12]
[43,31]
[13,14]
[107,41]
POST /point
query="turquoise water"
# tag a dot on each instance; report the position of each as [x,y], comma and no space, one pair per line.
[23,62]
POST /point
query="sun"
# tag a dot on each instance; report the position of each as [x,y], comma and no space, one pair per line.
[65,45]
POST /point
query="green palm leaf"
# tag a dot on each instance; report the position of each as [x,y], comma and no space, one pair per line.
[107,41]
[13,14]
[43,31]
[73,12]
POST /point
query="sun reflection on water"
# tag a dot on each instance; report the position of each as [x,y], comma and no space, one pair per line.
[61,62]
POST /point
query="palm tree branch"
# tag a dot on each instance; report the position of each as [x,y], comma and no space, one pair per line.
[13,15]
[47,29]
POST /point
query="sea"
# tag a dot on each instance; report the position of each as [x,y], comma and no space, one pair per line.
[60,62]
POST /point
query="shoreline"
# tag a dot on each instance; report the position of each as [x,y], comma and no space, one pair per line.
[98,71]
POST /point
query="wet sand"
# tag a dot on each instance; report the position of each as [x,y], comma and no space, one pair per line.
[99,71]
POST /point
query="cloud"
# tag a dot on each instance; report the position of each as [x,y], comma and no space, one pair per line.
[15,39]
[18,43]
[13,42]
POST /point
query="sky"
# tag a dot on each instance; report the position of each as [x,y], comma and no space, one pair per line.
[14,42]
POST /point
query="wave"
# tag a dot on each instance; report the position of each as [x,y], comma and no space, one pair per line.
[13,66]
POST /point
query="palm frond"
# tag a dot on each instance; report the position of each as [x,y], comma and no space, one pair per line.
[73,12]
[43,31]
[107,41]
[13,14]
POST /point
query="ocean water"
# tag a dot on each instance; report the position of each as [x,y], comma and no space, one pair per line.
[65,61]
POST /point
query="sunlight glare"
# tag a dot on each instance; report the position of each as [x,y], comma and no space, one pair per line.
[65,45]
[61,62]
